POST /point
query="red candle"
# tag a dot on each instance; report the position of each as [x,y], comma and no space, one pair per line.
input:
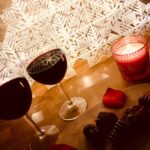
[132,56]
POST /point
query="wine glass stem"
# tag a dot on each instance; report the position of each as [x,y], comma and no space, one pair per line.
[65,93]
[33,125]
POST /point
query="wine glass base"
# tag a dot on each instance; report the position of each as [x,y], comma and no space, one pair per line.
[72,111]
[44,142]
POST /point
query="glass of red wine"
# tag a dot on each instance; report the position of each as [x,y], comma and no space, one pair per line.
[49,68]
[16,98]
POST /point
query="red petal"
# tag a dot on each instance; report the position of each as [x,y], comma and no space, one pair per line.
[61,147]
[114,98]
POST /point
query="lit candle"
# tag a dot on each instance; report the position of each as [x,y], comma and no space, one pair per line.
[132,57]
[129,48]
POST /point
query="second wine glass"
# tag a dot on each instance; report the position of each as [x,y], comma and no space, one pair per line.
[16,98]
[49,68]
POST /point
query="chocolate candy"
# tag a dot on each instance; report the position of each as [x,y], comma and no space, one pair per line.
[144,100]
[138,117]
[119,134]
[91,133]
[94,137]
[132,109]
[124,133]
[105,121]
[134,114]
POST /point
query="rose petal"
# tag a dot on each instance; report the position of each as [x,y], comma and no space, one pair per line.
[114,98]
[61,147]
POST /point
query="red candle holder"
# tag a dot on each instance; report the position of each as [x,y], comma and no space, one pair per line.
[132,57]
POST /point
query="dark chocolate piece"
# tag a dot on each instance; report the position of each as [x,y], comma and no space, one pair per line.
[119,135]
[134,116]
[105,121]
[144,100]
[94,137]
[91,133]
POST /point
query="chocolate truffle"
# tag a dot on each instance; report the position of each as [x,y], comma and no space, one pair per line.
[119,134]
[94,137]
[144,100]
[134,115]
[105,121]
[91,133]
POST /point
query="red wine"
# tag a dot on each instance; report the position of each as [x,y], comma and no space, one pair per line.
[15,98]
[48,68]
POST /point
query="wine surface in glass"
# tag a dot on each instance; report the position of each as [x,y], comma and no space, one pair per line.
[48,68]
[15,98]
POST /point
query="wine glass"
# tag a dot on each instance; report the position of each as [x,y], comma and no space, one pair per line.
[50,68]
[16,98]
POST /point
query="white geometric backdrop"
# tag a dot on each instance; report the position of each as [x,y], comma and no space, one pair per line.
[82,28]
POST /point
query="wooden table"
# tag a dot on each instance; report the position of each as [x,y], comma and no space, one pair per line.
[91,84]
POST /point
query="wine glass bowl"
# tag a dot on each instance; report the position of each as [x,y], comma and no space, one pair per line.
[48,68]
[16,97]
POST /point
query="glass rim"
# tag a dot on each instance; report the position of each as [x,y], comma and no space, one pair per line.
[128,37]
